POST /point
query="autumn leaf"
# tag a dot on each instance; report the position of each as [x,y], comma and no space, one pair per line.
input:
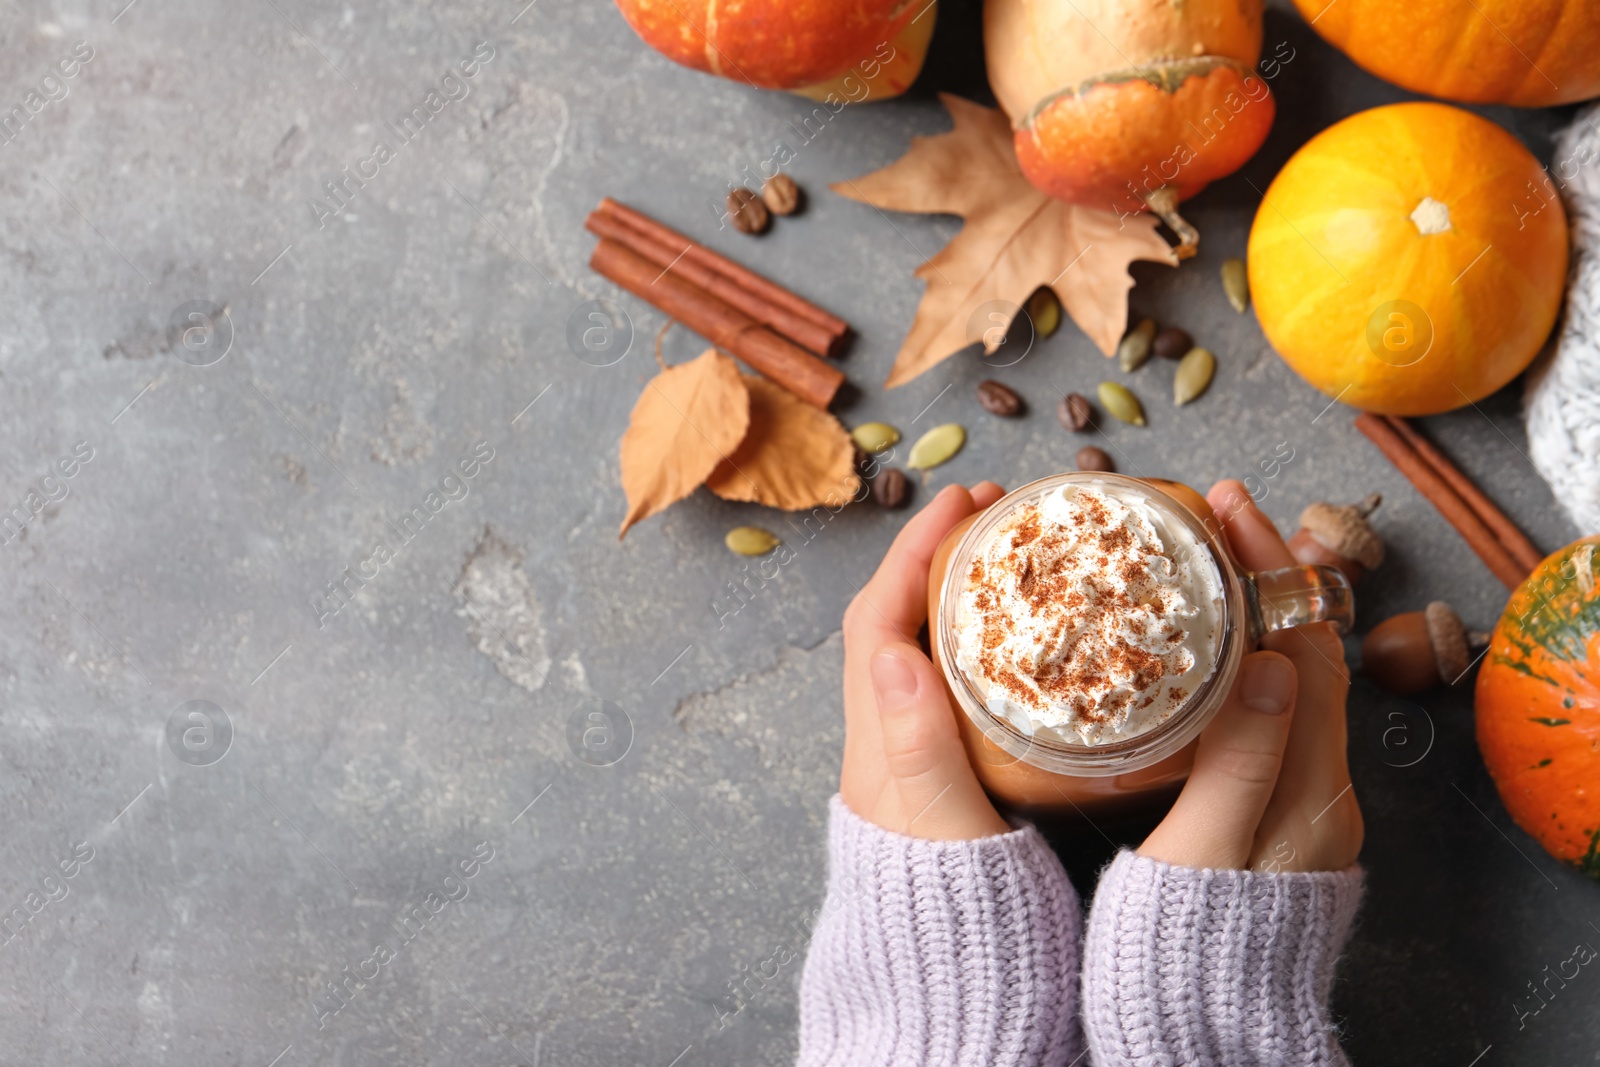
[688,419]
[1015,240]
[795,456]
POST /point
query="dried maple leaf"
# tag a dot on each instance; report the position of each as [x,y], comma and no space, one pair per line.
[1015,240]
[688,419]
[795,456]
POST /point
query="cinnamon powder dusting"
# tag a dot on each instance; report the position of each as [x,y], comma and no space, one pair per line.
[1080,618]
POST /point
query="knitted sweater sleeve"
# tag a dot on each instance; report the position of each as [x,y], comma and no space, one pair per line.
[1214,968]
[940,953]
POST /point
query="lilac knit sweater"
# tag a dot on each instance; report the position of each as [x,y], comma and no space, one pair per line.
[965,953]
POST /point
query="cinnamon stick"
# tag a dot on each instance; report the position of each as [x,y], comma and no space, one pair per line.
[1479,537]
[770,292]
[1515,541]
[719,322]
[802,331]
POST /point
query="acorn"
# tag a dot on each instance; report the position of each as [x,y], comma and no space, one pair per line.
[1339,536]
[1417,650]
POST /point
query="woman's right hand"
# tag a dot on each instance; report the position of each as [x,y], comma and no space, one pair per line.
[1270,789]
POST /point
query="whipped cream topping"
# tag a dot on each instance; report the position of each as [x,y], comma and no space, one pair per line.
[1089,615]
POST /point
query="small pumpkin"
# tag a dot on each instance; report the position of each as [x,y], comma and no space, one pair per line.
[1538,705]
[1530,53]
[1399,263]
[839,51]
[1130,105]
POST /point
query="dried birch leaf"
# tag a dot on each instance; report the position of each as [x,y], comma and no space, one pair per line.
[688,419]
[794,457]
[1015,240]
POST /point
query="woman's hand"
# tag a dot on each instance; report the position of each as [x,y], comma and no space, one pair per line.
[905,767]
[1270,788]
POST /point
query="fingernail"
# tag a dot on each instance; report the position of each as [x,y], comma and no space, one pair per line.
[1267,684]
[893,680]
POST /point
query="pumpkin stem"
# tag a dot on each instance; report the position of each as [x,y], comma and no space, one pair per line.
[1368,504]
[1431,216]
[1164,203]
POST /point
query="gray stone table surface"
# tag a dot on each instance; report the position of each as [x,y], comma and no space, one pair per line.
[401,726]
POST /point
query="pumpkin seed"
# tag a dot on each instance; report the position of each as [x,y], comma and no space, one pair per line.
[751,540]
[1044,311]
[1236,283]
[1195,372]
[1116,399]
[937,446]
[1135,348]
[874,437]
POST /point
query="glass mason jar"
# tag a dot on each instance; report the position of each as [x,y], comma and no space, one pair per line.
[1047,774]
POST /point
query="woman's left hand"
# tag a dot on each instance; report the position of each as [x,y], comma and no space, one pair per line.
[905,767]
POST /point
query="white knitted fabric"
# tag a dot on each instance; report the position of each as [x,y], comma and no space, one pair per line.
[1562,402]
[941,953]
[1214,968]
[965,954]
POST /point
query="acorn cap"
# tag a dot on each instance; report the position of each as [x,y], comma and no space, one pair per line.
[1343,530]
[1449,640]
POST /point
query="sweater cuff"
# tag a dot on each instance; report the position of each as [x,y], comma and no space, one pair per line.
[935,953]
[1216,968]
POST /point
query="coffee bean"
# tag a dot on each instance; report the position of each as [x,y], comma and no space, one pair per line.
[747,212]
[1172,343]
[890,488]
[781,194]
[1075,412]
[997,399]
[1091,458]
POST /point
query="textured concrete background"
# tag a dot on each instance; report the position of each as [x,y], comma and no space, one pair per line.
[648,911]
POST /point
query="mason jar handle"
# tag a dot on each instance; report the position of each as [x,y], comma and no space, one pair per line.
[1297,596]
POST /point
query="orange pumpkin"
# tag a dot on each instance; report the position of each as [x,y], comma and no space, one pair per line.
[1531,53]
[1538,705]
[1405,262]
[852,50]
[1129,105]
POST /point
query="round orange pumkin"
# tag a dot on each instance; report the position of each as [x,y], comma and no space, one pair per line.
[1129,105]
[1405,260]
[1531,53]
[854,50]
[1538,705]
